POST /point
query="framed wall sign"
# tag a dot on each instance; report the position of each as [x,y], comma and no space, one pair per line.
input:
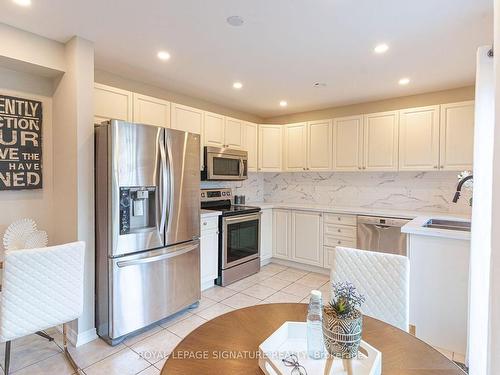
[20,143]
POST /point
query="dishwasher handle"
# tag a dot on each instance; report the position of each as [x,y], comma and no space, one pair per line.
[382,222]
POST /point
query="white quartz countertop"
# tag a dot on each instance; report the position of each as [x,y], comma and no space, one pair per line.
[406,214]
[416,226]
[209,213]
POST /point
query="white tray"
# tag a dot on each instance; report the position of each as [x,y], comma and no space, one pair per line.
[290,338]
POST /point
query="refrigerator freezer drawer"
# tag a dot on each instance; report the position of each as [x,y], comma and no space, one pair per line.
[148,287]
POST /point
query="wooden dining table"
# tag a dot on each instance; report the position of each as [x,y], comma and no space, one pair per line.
[228,344]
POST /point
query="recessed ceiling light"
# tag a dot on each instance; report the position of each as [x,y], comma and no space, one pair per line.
[23,3]
[164,55]
[283,103]
[404,81]
[237,85]
[235,20]
[319,84]
[381,48]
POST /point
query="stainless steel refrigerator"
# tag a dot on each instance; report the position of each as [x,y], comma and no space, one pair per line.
[147,225]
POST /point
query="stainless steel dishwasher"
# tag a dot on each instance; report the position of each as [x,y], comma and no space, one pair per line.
[381,234]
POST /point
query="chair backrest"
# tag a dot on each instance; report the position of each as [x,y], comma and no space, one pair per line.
[384,280]
[41,288]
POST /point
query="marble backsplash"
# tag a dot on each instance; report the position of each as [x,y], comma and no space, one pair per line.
[414,191]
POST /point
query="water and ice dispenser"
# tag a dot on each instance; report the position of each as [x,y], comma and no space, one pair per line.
[137,209]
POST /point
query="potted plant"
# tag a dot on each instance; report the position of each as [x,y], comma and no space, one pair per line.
[343,321]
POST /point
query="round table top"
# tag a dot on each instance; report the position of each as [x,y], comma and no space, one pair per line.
[245,329]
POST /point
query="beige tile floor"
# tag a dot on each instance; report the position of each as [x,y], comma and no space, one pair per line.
[146,353]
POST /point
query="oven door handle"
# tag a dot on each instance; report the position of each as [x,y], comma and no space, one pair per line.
[242,218]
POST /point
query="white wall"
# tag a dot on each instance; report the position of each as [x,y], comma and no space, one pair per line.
[62,76]
[36,204]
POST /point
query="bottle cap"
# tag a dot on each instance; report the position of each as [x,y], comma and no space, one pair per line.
[315,294]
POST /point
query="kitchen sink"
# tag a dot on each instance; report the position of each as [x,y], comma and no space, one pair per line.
[448,224]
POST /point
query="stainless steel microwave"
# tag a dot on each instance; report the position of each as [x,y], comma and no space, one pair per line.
[224,164]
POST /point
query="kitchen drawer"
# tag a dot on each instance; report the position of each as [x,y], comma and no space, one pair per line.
[210,223]
[340,219]
[338,241]
[340,230]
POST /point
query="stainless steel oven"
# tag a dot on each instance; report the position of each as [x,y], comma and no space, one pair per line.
[240,255]
[224,164]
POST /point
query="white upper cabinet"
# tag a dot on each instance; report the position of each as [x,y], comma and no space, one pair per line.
[221,131]
[151,111]
[307,238]
[457,136]
[186,118]
[213,132]
[381,141]
[112,103]
[250,144]
[233,133]
[270,148]
[419,139]
[319,145]
[295,147]
[348,143]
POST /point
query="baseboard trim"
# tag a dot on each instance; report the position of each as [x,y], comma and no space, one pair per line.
[265,261]
[305,267]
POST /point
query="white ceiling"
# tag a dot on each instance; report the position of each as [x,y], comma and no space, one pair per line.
[283,47]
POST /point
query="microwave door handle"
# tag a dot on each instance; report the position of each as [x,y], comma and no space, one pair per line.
[162,179]
[242,168]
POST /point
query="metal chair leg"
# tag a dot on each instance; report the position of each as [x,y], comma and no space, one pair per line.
[72,362]
[44,335]
[7,357]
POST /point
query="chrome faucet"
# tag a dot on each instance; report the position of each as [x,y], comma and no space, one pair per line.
[459,187]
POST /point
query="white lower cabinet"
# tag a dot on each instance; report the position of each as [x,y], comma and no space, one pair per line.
[266,235]
[298,236]
[209,251]
[282,226]
[439,285]
[307,237]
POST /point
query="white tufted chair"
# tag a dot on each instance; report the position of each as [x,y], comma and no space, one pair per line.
[41,288]
[384,280]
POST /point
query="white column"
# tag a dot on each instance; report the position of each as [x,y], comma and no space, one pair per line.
[494,310]
[73,168]
[481,214]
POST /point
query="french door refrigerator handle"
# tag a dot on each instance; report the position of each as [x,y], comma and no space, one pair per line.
[170,197]
[157,258]
[163,172]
